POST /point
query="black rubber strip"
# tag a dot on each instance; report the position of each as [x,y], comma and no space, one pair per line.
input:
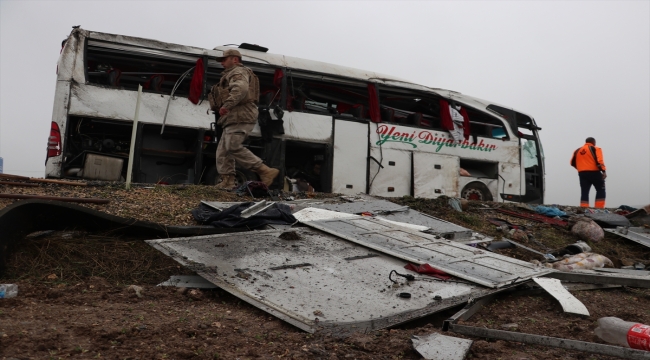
[24,217]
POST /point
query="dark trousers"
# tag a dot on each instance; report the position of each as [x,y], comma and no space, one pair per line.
[587,179]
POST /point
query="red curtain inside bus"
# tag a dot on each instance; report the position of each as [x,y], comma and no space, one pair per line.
[445,118]
[196,86]
[373,104]
[277,78]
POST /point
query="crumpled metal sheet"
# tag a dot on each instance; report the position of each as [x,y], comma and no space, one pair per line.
[399,213]
[314,280]
[637,234]
[463,261]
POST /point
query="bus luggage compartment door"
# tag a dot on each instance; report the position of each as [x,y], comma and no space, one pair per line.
[350,154]
[435,175]
[394,179]
[510,180]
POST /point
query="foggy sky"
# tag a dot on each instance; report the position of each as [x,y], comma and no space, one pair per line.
[580,68]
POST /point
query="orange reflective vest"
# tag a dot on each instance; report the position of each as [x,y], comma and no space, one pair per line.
[588,158]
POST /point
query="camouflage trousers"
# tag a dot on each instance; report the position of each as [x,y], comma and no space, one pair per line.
[230,150]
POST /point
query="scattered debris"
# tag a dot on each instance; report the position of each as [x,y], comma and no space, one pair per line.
[610,220]
[586,229]
[352,286]
[406,215]
[428,270]
[549,211]
[478,266]
[255,209]
[195,294]
[534,217]
[308,275]
[454,203]
[582,261]
[600,278]
[624,333]
[188,281]
[441,347]
[632,272]
[568,344]
[639,235]
[136,289]
[569,302]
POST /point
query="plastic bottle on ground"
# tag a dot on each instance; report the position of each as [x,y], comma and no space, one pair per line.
[624,333]
[8,291]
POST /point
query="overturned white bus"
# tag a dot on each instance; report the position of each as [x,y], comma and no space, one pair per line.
[346,130]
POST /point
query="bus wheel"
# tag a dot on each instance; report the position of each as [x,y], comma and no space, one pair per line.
[212,177]
[476,191]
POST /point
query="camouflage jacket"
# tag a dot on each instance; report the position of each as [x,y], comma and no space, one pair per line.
[237,91]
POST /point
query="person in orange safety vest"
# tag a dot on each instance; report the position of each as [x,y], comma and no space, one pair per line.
[588,160]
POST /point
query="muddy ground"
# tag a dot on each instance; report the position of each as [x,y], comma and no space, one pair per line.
[76,298]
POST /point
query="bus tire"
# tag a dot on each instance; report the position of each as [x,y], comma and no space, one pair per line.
[476,191]
[212,177]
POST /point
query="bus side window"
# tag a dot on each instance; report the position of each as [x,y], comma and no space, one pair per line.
[317,94]
[408,107]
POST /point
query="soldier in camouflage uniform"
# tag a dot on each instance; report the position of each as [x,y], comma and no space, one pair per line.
[235,98]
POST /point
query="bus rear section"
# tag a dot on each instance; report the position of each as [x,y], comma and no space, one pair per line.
[95,99]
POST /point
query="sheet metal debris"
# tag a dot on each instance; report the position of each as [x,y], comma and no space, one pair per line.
[395,212]
[479,266]
[351,295]
[630,272]
[639,235]
[312,214]
[256,208]
[441,347]
[568,344]
[570,304]
[594,277]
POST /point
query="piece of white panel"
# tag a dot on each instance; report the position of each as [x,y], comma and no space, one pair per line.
[570,303]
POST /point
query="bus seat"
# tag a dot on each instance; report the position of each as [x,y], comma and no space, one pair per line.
[400,119]
[414,119]
[358,111]
[114,77]
[419,120]
[387,115]
[154,83]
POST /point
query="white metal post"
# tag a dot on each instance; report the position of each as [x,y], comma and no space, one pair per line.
[134,131]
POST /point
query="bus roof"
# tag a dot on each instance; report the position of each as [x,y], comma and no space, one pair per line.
[292,63]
